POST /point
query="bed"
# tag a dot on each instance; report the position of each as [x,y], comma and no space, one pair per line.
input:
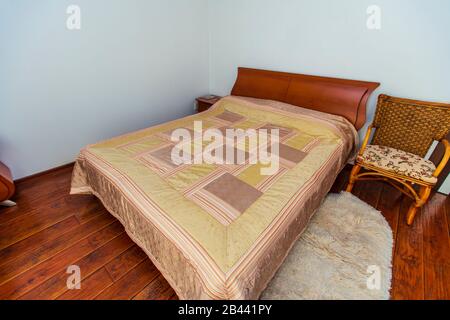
[222,231]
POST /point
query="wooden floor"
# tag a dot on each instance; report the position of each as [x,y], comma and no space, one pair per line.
[50,230]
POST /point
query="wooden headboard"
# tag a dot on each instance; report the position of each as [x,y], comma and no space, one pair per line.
[347,98]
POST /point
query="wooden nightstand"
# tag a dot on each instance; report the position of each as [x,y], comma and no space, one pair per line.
[206,102]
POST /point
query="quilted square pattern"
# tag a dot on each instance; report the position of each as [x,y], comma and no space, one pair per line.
[284,132]
[230,117]
[235,192]
[227,197]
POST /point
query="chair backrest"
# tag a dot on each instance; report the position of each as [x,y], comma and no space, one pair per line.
[410,125]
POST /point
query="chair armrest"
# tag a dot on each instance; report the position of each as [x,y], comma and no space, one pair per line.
[366,140]
[444,160]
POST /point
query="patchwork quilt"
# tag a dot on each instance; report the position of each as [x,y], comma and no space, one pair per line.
[219,230]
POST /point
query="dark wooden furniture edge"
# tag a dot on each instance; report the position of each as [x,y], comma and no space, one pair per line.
[6,183]
[436,158]
[204,104]
[343,97]
[212,100]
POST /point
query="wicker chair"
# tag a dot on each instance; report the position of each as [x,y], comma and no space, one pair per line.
[404,132]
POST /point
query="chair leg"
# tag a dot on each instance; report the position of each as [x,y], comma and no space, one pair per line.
[424,195]
[353,178]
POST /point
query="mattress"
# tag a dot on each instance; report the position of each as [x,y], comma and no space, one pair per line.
[218,231]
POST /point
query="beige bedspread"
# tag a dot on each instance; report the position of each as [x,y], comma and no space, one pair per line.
[218,231]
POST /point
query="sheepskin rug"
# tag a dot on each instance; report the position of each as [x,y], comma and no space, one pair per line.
[345,254]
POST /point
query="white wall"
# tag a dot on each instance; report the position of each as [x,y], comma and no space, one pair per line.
[410,55]
[133,64]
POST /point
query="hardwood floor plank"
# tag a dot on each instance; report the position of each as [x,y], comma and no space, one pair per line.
[122,264]
[447,210]
[369,192]
[78,204]
[389,205]
[408,265]
[131,283]
[436,250]
[174,296]
[47,173]
[41,251]
[33,277]
[90,287]
[154,290]
[35,193]
[92,207]
[169,294]
[342,180]
[32,243]
[24,226]
[57,285]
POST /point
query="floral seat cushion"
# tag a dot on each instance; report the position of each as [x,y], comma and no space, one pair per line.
[399,162]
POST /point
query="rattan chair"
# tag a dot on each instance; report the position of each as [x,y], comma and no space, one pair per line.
[404,132]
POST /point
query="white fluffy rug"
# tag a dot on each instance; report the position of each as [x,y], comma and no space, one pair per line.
[345,254]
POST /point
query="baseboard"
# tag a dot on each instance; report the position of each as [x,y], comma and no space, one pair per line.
[37,175]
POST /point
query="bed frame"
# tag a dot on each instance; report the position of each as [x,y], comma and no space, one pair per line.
[347,98]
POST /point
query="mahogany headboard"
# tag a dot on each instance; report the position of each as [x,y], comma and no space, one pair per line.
[347,98]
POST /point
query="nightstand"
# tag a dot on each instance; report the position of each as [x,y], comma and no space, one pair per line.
[206,102]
